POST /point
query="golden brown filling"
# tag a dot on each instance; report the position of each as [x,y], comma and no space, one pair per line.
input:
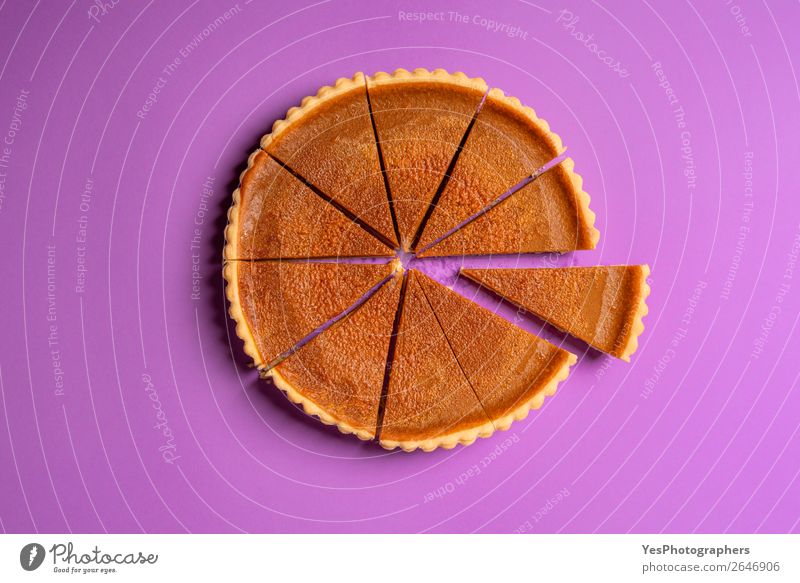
[506,366]
[503,147]
[428,396]
[342,369]
[542,216]
[280,217]
[596,304]
[334,148]
[283,302]
[419,125]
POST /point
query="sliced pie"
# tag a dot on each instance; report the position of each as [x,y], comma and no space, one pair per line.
[338,376]
[602,306]
[507,144]
[276,216]
[430,163]
[329,141]
[420,119]
[429,402]
[549,214]
[511,370]
[276,304]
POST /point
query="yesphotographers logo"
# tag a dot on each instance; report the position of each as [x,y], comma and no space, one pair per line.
[31,556]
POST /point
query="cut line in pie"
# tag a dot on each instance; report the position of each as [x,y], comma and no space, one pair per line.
[432,164]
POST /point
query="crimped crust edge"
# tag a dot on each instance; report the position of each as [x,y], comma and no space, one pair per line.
[637,324]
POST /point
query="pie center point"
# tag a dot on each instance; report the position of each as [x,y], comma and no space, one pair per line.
[405,258]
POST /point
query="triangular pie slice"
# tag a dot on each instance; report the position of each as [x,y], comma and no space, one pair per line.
[276,304]
[338,376]
[429,402]
[330,142]
[511,370]
[507,143]
[602,306]
[549,214]
[276,216]
[420,118]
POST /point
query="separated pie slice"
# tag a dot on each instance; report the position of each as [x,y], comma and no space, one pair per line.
[507,143]
[276,304]
[338,375]
[511,370]
[603,306]
[420,119]
[330,142]
[276,216]
[429,402]
[549,214]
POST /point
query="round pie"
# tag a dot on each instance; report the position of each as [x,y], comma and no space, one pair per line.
[326,244]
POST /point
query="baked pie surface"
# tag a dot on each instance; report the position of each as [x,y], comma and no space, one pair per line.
[413,160]
[329,140]
[511,370]
[276,216]
[603,306]
[276,303]
[420,119]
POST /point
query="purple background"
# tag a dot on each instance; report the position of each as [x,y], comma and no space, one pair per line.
[699,433]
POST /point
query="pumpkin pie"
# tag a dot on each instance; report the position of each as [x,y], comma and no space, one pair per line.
[277,216]
[511,370]
[420,120]
[429,402]
[276,304]
[329,142]
[338,376]
[508,144]
[432,163]
[602,306]
[549,214]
